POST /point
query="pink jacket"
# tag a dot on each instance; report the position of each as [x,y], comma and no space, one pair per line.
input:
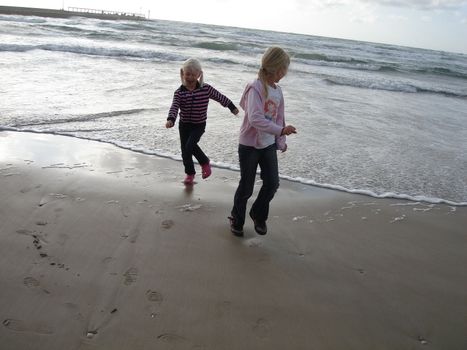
[254,119]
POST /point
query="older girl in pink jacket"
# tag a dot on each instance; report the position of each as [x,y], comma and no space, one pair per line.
[262,133]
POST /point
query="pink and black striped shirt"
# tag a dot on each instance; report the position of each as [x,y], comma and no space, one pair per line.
[193,105]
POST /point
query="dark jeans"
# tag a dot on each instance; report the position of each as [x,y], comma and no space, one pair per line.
[250,158]
[190,134]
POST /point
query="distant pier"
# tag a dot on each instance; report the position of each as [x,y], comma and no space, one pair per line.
[71,12]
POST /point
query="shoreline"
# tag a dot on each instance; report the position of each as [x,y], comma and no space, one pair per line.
[387,195]
[106,248]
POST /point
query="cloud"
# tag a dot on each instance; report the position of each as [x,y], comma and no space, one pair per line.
[322,4]
[398,18]
[461,16]
[363,13]
[414,4]
[421,4]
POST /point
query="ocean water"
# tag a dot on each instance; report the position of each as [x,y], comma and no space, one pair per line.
[381,120]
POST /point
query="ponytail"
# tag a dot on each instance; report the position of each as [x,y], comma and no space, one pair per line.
[273,60]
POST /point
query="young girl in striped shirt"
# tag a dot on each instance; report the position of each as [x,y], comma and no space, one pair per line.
[192,99]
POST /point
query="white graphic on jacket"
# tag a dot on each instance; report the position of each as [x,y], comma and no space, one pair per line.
[271,108]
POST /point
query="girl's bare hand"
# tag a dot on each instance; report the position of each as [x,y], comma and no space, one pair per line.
[289,129]
[169,124]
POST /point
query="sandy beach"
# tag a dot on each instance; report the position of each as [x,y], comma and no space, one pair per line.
[103,248]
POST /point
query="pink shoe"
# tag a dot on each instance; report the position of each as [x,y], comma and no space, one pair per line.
[205,170]
[189,179]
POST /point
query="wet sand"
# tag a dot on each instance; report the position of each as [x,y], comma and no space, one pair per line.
[103,248]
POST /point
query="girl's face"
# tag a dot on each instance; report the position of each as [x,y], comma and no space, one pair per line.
[280,74]
[277,76]
[190,77]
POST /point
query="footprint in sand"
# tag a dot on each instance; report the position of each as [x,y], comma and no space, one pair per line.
[31,282]
[74,310]
[156,299]
[25,232]
[223,308]
[154,296]
[26,327]
[262,328]
[30,188]
[62,239]
[422,340]
[108,260]
[133,235]
[125,211]
[189,207]
[51,197]
[11,174]
[167,224]
[38,239]
[91,334]
[198,347]
[399,218]
[171,338]
[130,276]
[253,242]
[25,190]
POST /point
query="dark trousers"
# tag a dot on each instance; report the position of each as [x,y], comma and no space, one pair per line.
[190,134]
[250,158]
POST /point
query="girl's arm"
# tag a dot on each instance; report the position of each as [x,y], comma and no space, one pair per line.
[173,111]
[222,99]
[281,139]
[286,129]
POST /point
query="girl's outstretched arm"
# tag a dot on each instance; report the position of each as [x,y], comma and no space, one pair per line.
[173,111]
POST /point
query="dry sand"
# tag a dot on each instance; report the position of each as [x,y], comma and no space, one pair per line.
[102,248]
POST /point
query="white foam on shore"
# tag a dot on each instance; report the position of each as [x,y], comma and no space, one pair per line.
[221,165]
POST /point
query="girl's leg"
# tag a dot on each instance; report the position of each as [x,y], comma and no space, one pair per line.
[192,143]
[184,131]
[190,135]
[248,157]
[199,154]
[270,176]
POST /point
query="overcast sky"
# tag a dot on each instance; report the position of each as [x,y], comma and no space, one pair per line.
[433,24]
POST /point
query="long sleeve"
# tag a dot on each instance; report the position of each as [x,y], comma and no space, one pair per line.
[281,139]
[192,106]
[222,99]
[173,111]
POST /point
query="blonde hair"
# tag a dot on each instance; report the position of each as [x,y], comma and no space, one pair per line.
[274,59]
[193,64]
